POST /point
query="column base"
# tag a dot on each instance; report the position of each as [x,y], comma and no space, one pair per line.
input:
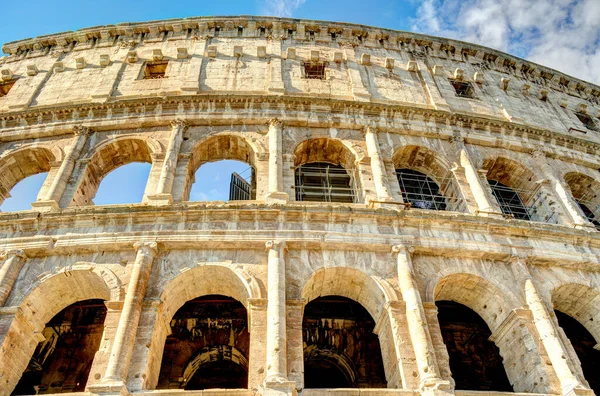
[280,388]
[109,387]
[160,199]
[45,206]
[277,198]
[436,387]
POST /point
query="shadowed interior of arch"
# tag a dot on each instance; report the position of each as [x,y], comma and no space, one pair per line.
[24,193]
[340,348]
[323,182]
[225,180]
[583,344]
[61,363]
[208,347]
[475,361]
[126,184]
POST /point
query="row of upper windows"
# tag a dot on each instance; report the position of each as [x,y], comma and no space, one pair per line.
[324,178]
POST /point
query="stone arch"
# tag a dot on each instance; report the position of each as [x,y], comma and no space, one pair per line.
[369,292]
[426,161]
[21,163]
[586,191]
[207,354]
[487,299]
[581,302]
[332,152]
[209,279]
[107,157]
[511,173]
[49,297]
[221,146]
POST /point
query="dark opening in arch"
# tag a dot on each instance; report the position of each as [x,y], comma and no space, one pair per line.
[420,190]
[208,347]
[341,350]
[509,200]
[62,362]
[475,361]
[323,182]
[583,343]
[589,214]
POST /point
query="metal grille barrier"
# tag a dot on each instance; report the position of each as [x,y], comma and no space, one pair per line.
[320,182]
[590,210]
[423,193]
[512,204]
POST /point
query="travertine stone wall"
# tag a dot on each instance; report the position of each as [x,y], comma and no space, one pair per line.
[236,88]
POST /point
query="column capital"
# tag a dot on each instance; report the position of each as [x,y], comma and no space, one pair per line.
[457,138]
[396,249]
[81,130]
[538,153]
[18,253]
[275,122]
[179,123]
[275,244]
[146,247]
[369,129]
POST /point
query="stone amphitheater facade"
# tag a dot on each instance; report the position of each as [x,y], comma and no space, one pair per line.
[384,265]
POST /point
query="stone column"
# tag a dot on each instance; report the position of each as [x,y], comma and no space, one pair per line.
[563,192]
[276,382]
[9,272]
[417,322]
[377,167]
[122,348]
[546,329]
[486,207]
[163,195]
[295,343]
[276,193]
[257,315]
[52,198]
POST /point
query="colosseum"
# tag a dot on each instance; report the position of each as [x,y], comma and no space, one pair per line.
[421,218]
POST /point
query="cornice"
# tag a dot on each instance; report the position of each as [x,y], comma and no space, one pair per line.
[355,35]
[53,121]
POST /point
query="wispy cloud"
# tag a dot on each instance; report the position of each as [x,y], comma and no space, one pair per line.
[281,8]
[561,34]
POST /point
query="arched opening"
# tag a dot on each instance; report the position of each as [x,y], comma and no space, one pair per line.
[22,175]
[123,185]
[226,180]
[324,172]
[111,157]
[340,348]
[517,192]
[208,346]
[583,343]
[61,362]
[222,168]
[425,181]
[475,361]
[24,193]
[586,192]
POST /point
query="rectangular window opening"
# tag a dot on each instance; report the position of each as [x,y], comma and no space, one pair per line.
[5,86]
[314,70]
[240,31]
[155,70]
[463,89]
[587,121]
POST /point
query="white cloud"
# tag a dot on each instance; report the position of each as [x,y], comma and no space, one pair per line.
[561,34]
[281,8]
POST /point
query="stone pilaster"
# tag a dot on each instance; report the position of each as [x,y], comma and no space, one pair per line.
[276,382]
[295,343]
[429,377]
[276,193]
[54,193]
[122,348]
[9,272]
[571,208]
[485,205]
[164,188]
[377,166]
[257,313]
[547,331]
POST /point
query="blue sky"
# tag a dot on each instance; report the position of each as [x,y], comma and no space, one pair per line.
[562,34]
